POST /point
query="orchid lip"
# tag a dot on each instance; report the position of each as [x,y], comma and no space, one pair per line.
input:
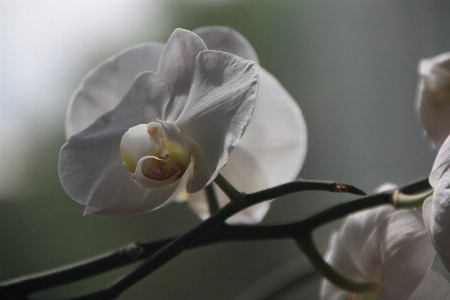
[152,156]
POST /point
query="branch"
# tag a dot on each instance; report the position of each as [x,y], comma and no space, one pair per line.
[210,231]
[303,185]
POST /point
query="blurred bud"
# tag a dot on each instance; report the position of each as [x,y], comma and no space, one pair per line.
[433,96]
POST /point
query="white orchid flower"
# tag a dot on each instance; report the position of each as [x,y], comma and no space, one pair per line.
[436,209]
[141,118]
[385,246]
[433,96]
[271,152]
[273,148]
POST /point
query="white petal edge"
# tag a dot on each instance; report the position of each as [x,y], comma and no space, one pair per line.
[228,40]
[150,200]
[440,218]
[441,163]
[105,85]
[427,213]
[177,66]
[222,96]
[277,135]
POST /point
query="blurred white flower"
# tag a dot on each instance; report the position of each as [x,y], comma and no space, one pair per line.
[385,246]
[273,148]
[433,96]
[436,209]
[148,113]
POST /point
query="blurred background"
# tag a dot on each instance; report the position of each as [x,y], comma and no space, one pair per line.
[351,65]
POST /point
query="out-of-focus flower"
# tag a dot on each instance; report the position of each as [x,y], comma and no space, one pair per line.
[149,113]
[433,96]
[436,209]
[273,148]
[385,246]
[433,286]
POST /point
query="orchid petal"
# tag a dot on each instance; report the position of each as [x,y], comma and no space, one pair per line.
[266,148]
[342,261]
[399,245]
[90,164]
[243,172]
[358,227]
[105,86]
[228,40]
[441,163]
[381,245]
[427,213]
[263,138]
[177,66]
[125,206]
[432,287]
[433,96]
[440,221]
[220,105]
[276,136]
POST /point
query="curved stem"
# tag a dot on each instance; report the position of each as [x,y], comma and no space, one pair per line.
[411,201]
[307,246]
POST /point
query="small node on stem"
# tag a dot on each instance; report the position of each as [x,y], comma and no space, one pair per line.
[134,251]
[338,188]
[393,199]
[345,188]
[236,197]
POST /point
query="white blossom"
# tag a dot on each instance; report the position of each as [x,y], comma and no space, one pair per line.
[168,117]
[140,119]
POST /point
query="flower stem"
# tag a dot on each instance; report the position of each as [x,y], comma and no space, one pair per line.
[411,201]
[306,244]
[234,195]
[213,205]
[212,230]
[163,255]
